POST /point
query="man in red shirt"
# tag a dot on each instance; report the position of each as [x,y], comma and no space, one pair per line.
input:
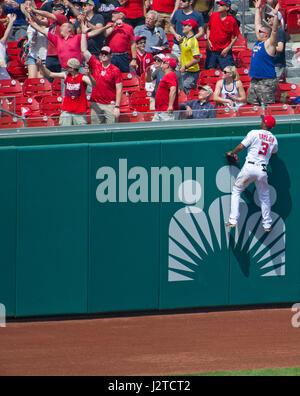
[74,106]
[120,38]
[166,99]
[144,59]
[165,9]
[222,34]
[107,82]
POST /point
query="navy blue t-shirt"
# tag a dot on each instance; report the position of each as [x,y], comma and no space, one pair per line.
[279,59]
[180,16]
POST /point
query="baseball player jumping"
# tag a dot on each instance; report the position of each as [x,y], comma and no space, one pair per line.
[261,144]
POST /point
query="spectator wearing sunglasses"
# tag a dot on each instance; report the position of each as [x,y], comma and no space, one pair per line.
[263,86]
[222,34]
[107,82]
[184,14]
[144,59]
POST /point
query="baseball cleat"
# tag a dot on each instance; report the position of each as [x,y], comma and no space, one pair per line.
[228,224]
[268,229]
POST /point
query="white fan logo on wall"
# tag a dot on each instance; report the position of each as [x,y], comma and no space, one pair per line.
[195,238]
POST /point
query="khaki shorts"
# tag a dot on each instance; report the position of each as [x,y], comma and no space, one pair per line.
[164,21]
[102,113]
[69,119]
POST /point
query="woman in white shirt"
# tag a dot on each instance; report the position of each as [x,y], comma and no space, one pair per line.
[3,43]
[230,91]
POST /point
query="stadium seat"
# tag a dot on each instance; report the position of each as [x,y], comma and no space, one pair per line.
[9,122]
[244,76]
[140,101]
[292,90]
[297,109]
[56,87]
[244,59]
[35,122]
[182,98]
[26,107]
[51,105]
[210,77]
[17,70]
[10,88]
[193,95]
[131,83]
[290,10]
[37,88]
[225,112]
[249,111]
[279,109]
[240,45]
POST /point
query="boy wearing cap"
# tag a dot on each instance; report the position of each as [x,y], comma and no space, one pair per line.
[261,144]
[144,59]
[74,106]
[166,99]
[201,108]
[185,13]
[190,56]
[222,34]
[107,85]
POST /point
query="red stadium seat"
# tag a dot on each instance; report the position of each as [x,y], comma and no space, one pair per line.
[37,88]
[56,87]
[210,77]
[240,45]
[26,107]
[292,90]
[280,109]
[244,59]
[9,122]
[225,112]
[17,70]
[182,98]
[297,109]
[51,105]
[131,83]
[290,10]
[140,104]
[249,111]
[10,88]
[36,122]
[193,95]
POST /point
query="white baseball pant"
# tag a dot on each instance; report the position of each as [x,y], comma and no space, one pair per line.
[252,173]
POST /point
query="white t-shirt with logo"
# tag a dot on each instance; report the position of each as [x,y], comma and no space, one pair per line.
[261,145]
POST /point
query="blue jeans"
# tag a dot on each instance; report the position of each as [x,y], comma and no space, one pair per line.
[122,62]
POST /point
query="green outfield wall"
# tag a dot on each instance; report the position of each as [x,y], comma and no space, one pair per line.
[139,225]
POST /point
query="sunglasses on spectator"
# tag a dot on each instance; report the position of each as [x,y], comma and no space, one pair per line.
[185,1]
[262,31]
[142,42]
[104,53]
[226,71]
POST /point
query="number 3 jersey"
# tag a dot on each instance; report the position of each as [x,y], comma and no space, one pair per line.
[261,145]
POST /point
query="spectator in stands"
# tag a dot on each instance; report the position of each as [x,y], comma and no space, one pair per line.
[201,108]
[106,9]
[190,56]
[263,86]
[230,91]
[107,82]
[3,21]
[280,59]
[222,34]
[135,12]
[165,9]
[120,37]
[205,7]
[3,43]
[166,99]
[184,14]
[270,4]
[56,19]
[233,12]
[93,21]
[38,46]
[20,26]
[157,40]
[74,107]
[144,59]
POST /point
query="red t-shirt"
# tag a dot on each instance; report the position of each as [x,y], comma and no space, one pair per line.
[143,62]
[134,9]
[107,78]
[222,32]
[120,39]
[163,5]
[54,28]
[66,49]
[2,26]
[75,100]
[163,92]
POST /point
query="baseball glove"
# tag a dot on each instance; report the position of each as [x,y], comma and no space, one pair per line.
[232,159]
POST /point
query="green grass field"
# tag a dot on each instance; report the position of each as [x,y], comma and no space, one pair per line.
[283,372]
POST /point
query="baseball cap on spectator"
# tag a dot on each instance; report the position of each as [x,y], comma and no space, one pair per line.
[206,88]
[269,121]
[160,56]
[171,62]
[74,63]
[139,38]
[234,9]
[120,10]
[90,2]
[191,22]
[225,2]
[106,50]
[270,14]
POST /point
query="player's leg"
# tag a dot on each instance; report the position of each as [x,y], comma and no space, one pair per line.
[263,190]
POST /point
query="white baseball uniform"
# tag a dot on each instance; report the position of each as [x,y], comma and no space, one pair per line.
[261,145]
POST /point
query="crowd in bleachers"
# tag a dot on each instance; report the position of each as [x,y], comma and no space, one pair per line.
[75,62]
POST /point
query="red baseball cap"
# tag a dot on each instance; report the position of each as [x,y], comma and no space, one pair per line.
[269,121]
[120,9]
[172,62]
[138,38]
[191,22]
